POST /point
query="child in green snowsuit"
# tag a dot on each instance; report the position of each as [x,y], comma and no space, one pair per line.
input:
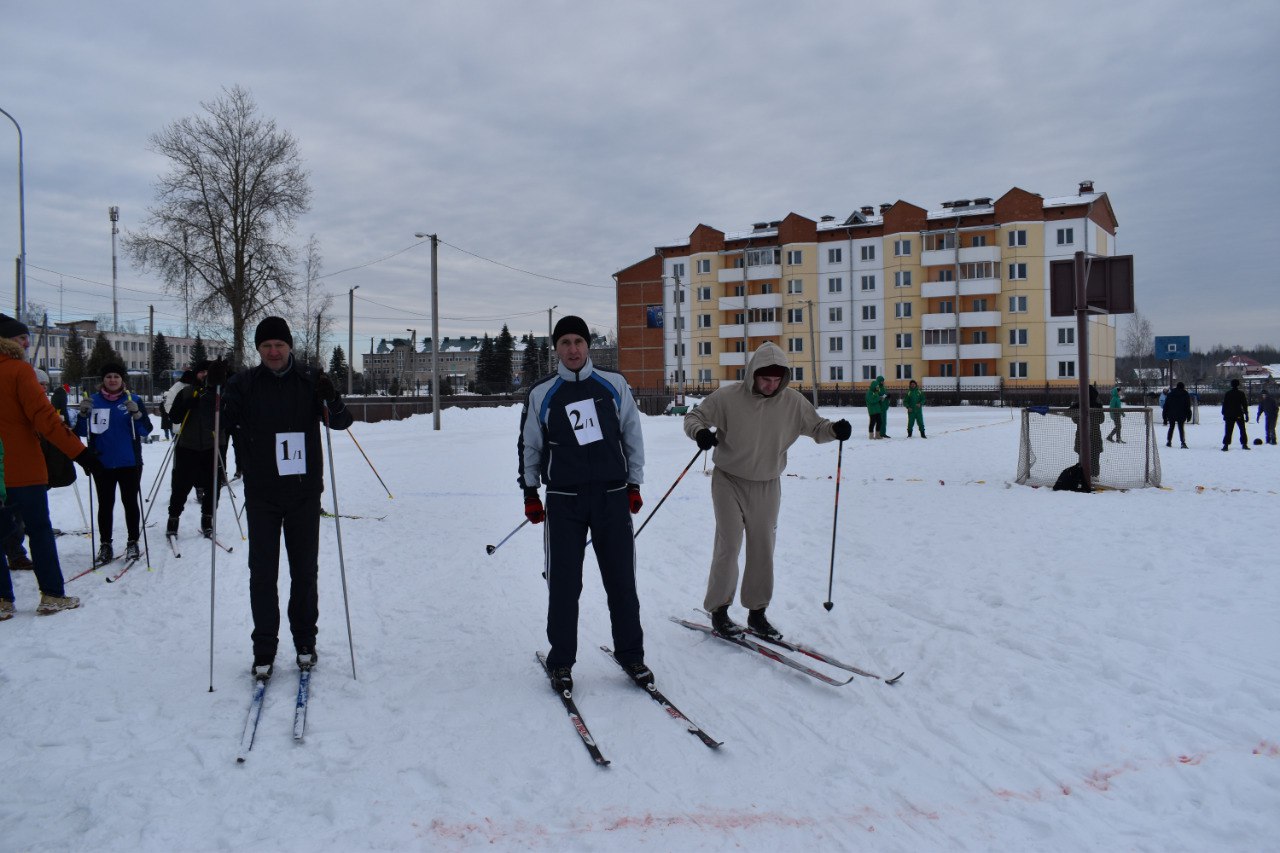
[915,408]
[877,403]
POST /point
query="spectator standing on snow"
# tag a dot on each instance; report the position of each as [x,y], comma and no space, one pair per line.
[1177,411]
[192,407]
[580,437]
[26,415]
[1116,416]
[115,421]
[877,409]
[755,421]
[275,411]
[1235,412]
[915,408]
[1164,396]
[1267,411]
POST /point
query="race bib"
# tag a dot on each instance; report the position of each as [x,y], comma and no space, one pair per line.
[291,453]
[99,420]
[585,421]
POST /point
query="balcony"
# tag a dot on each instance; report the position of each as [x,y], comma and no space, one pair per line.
[733,359]
[728,330]
[755,300]
[983,352]
[966,383]
[732,303]
[973,254]
[979,286]
[938,352]
[979,319]
[937,321]
[757,330]
[935,289]
[761,272]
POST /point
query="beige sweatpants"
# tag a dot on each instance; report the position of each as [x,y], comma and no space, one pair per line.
[747,507]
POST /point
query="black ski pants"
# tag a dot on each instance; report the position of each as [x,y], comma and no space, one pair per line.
[192,469]
[1226,435]
[1182,432]
[299,520]
[128,481]
[603,512]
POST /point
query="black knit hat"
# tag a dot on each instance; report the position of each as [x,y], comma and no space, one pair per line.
[11,328]
[114,367]
[570,325]
[273,329]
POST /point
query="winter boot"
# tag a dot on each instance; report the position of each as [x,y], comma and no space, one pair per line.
[54,603]
[640,674]
[562,679]
[760,626]
[6,609]
[104,553]
[722,624]
[171,529]
[307,657]
[206,526]
[20,562]
[131,551]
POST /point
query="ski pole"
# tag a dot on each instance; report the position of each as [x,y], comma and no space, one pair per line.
[670,490]
[489,549]
[169,456]
[366,459]
[142,512]
[75,487]
[836,514]
[213,524]
[337,523]
[230,492]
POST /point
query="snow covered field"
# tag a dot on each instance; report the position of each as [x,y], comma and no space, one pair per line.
[1083,672]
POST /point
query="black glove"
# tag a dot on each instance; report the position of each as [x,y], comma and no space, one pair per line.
[217,373]
[89,461]
[706,439]
[842,430]
[325,390]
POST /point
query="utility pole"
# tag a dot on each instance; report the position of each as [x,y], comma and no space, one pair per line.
[435,334]
[20,298]
[679,344]
[351,335]
[114,213]
[813,353]
[551,347]
[186,288]
[151,346]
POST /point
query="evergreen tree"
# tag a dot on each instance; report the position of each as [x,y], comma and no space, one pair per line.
[485,380]
[161,362]
[73,359]
[103,353]
[503,346]
[338,367]
[394,390]
[198,352]
[531,367]
[446,386]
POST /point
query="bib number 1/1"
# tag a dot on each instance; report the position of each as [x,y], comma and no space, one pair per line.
[291,453]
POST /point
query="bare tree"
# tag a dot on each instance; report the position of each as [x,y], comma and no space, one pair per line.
[1139,343]
[223,212]
[315,320]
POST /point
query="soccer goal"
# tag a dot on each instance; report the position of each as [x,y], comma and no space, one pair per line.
[1123,443]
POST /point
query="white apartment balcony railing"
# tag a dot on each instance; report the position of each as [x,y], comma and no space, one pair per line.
[733,303]
[979,286]
[764,300]
[979,351]
[756,273]
[935,289]
[970,255]
[938,352]
[733,359]
[964,383]
[730,330]
[937,321]
[979,319]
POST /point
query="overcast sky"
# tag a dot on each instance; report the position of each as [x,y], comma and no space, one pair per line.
[567,139]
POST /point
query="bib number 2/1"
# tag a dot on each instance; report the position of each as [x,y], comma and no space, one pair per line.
[291,453]
[585,421]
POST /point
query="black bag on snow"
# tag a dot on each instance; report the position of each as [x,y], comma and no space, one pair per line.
[1071,480]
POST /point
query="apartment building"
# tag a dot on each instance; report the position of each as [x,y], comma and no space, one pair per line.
[49,351]
[954,298]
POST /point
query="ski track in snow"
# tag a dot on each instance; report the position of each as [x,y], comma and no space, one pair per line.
[1082,671]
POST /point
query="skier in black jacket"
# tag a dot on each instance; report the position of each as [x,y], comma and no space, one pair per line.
[1235,411]
[1267,415]
[275,411]
[1177,411]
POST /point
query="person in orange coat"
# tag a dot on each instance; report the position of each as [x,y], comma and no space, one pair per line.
[26,415]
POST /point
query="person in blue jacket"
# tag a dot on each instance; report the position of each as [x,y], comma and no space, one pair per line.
[115,421]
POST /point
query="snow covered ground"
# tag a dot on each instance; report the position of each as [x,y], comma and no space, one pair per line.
[1084,672]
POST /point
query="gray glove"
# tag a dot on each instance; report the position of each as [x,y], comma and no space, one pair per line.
[85,407]
[131,405]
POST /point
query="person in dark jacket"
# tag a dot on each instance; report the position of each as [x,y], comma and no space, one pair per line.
[1235,412]
[1177,411]
[580,436]
[275,411]
[193,460]
[1267,416]
[115,422]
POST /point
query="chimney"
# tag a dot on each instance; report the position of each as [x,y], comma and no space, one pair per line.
[759,226]
[1086,187]
[868,210]
[884,208]
[828,218]
[985,200]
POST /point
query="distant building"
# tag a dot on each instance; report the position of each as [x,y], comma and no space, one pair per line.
[49,353]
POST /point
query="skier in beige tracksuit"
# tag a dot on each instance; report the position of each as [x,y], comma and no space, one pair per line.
[756,421]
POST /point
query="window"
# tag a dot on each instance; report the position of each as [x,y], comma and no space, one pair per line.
[868,282]
[739,290]
[946,306]
[901,248]
[978,240]
[946,275]
[1017,370]
[979,305]
[677,270]
[978,269]
[835,344]
[704,374]
[704,347]
[902,371]
[1017,238]
[933,337]
[834,256]
[679,323]
[835,285]
[767,287]
[902,340]
[835,315]
[1066,370]
[704,266]
[739,373]
[762,315]
[902,278]
[868,343]
[1066,336]
[980,368]
[1017,272]
[739,318]
[836,373]
[704,294]
[947,368]
[902,309]
[868,253]
[795,257]
[763,257]
[934,242]
[795,285]
[1017,304]
[978,336]
[869,371]
[678,350]
[868,312]
[704,321]
[795,344]
[739,346]
[1017,337]
[795,315]
[1066,236]
[679,295]
[797,374]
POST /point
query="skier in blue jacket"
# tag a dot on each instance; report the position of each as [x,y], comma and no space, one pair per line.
[115,420]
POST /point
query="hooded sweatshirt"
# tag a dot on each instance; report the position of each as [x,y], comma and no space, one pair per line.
[756,431]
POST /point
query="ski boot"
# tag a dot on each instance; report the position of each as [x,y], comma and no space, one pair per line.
[104,553]
[722,624]
[760,626]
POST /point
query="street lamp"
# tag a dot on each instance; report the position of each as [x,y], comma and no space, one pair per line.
[20,308]
[351,335]
[435,331]
[113,213]
[413,357]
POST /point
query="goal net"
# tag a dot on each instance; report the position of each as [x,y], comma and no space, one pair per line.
[1123,444]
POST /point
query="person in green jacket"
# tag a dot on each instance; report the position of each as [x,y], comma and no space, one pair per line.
[1116,415]
[877,404]
[915,408]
